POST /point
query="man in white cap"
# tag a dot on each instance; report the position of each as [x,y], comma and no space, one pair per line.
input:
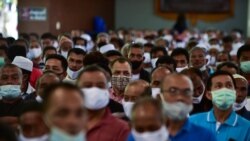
[106,48]
[26,66]
[241,87]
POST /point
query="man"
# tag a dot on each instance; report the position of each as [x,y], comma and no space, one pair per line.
[134,91]
[222,120]
[101,124]
[181,57]
[47,39]
[156,53]
[75,64]
[112,55]
[48,78]
[166,61]
[35,54]
[102,39]
[157,75]
[11,103]
[148,122]
[80,42]
[26,66]
[200,102]
[121,75]
[65,44]
[228,67]
[227,44]
[135,56]
[177,91]
[241,96]
[32,125]
[222,57]
[198,60]
[49,50]
[57,64]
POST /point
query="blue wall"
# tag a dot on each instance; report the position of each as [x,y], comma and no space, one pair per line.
[140,14]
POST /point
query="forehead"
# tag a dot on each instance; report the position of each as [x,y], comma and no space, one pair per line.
[9,70]
[245,53]
[49,78]
[136,51]
[222,79]
[53,62]
[240,81]
[95,76]
[179,56]
[197,52]
[181,82]
[146,112]
[121,66]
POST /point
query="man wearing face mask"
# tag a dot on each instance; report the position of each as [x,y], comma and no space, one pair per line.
[222,120]
[102,39]
[11,103]
[32,125]
[135,56]
[57,64]
[200,102]
[101,123]
[75,64]
[64,112]
[35,54]
[198,60]
[148,122]
[80,42]
[177,91]
[156,53]
[135,90]
[241,86]
[121,76]
[157,75]
[65,44]
[181,57]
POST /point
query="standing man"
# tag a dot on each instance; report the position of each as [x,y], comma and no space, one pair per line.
[177,91]
[222,120]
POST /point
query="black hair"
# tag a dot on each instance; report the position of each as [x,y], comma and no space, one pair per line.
[16,50]
[77,51]
[49,91]
[218,73]
[193,71]
[135,45]
[157,49]
[180,51]
[24,36]
[227,64]
[31,106]
[244,48]
[47,36]
[227,39]
[118,41]
[10,40]
[7,133]
[113,53]
[121,60]
[4,48]
[48,48]
[60,58]
[150,45]
[35,35]
[166,60]
[95,58]
[75,39]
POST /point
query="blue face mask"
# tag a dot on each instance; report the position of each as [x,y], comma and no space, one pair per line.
[58,135]
[245,66]
[10,91]
[223,98]
[2,62]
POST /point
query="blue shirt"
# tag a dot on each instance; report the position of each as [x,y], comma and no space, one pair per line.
[189,132]
[235,128]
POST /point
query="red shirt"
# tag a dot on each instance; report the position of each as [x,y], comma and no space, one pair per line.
[35,74]
[109,128]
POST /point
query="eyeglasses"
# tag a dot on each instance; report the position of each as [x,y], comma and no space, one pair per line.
[173,91]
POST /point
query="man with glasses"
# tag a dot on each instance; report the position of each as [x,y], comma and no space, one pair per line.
[177,91]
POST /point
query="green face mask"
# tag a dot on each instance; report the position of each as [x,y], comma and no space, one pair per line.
[245,66]
[223,98]
[2,62]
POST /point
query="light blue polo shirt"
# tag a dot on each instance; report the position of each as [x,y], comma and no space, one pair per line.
[235,128]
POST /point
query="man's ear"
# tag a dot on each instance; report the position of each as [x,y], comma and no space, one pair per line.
[209,95]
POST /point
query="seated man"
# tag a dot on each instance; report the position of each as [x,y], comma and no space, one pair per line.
[222,120]
[166,61]
[241,96]
[228,66]
[148,123]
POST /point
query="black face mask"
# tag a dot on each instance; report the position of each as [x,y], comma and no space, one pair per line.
[136,64]
[100,44]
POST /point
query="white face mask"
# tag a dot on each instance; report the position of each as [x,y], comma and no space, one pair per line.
[73,74]
[96,98]
[42,138]
[153,62]
[58,135]
[197,100]
[218,63]
[39,99]
[181,69]
[81,47]
[239,106]
[159,135]
[127,106]
[64,54]
[34,53]
[147,57]
[155,92]
[203,68]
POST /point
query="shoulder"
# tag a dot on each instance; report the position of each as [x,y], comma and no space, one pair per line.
[201,116]
[243,122]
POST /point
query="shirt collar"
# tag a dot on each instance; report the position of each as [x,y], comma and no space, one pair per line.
[232,120]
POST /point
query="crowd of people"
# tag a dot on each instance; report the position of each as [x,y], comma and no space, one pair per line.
[125,85]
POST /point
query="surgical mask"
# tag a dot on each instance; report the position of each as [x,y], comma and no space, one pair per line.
[10,91]
[35,52]
[39,99]
[147,57]
[120,82]
[2,62]
[223,98]
[81,47]
[41,138]
[245,66]
[64,54]
[212,60]
[58,135]
[96,98]
[181,69]
[127,106]
[153,62]
[218,63]
[203,68]
[155,92]
[158,135]
[197,100]
[73,74]
[239,106]
[136,64]
[176,111]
